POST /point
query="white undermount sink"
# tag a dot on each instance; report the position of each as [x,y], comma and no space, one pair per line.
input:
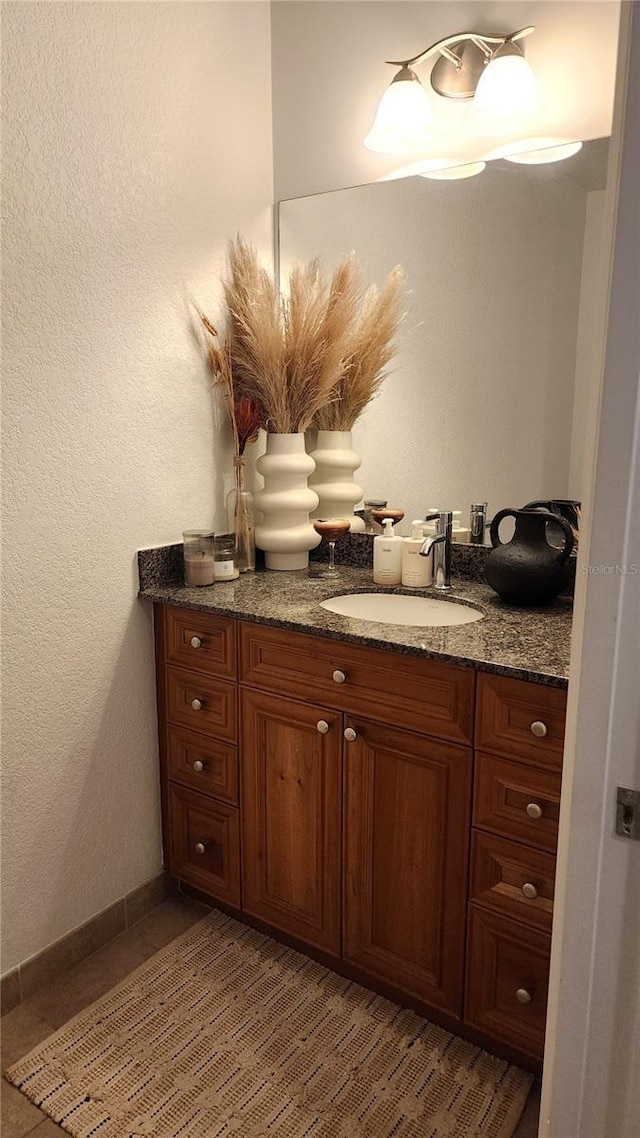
[396,608]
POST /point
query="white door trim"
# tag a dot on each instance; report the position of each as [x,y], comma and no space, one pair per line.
[591,1076]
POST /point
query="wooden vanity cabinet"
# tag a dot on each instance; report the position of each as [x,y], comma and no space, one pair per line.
[331,792]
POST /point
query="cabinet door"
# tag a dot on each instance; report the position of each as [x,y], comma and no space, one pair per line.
[406,826]
[290,794]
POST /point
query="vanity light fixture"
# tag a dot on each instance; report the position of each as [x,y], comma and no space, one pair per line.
[491,69]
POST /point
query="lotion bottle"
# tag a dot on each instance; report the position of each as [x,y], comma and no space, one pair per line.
[387,556]
[417,571]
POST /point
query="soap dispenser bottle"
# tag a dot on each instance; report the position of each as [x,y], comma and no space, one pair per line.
[459,532]
[387,556]
[417,571]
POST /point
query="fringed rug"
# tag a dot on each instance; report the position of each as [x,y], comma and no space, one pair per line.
[226,1032]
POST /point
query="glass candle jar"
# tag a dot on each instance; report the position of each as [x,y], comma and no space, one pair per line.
[198,546]
[226,559]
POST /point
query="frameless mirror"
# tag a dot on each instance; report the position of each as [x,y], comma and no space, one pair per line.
[493,389]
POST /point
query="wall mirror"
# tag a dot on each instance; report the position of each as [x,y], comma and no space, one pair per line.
[493,389]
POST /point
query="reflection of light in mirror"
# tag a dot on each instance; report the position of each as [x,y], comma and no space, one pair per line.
[420,167]
[453,173]
[536,151]
[548,154]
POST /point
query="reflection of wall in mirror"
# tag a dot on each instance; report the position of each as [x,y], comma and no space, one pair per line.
[479,405]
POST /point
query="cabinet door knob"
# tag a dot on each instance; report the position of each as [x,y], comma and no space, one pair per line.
[339,677]
[534,810]
[198,766]
[200,848]
[522,996]
[322,726]
[196,704]
[529,891]
[350,735]
[539,729]
[196,642]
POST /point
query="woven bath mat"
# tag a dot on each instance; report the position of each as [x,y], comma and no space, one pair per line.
[226,1032]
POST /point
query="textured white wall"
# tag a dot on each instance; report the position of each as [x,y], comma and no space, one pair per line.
[479,400]
[329,73]
[137,140]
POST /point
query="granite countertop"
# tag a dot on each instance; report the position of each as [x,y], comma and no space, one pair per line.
[530,644]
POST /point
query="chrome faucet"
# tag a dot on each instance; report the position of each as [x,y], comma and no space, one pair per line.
[440,545]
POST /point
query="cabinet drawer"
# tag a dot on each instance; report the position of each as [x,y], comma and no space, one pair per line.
[204,844]
[203,764]
[217,700]
[521,720]
[507,980]
[512,879]
[423,695]
[516,801]
[200,641]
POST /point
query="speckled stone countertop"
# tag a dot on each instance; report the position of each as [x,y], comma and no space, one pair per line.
[530,644]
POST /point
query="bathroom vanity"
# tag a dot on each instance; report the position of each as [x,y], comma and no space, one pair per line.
[385,798]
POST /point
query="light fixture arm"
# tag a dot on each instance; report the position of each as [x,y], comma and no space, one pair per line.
[444,46]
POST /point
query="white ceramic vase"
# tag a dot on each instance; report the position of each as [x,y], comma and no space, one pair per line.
[332,480]
[285,533]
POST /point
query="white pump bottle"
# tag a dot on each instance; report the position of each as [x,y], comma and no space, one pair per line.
[387,556]
[417,571]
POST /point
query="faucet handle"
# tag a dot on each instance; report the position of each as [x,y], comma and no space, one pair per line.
[444,518]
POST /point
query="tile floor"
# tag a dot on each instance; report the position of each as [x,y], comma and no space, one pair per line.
[51,1007]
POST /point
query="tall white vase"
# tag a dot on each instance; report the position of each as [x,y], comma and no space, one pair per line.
[286,534]
[336,463]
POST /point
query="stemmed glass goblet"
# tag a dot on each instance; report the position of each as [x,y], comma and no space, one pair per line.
[331,530]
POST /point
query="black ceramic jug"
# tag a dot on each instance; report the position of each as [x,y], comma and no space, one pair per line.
[528,570]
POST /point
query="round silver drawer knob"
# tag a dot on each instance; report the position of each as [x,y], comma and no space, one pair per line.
[322,726]
[534,811]
[196,642]
[350,735]
[196,704]
[539,729]
[200,848]
[339,677]
[198,766]
[529,891]
[522,996]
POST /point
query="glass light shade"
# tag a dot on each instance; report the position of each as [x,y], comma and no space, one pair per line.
[404,121]
[506,97]
[455,173]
